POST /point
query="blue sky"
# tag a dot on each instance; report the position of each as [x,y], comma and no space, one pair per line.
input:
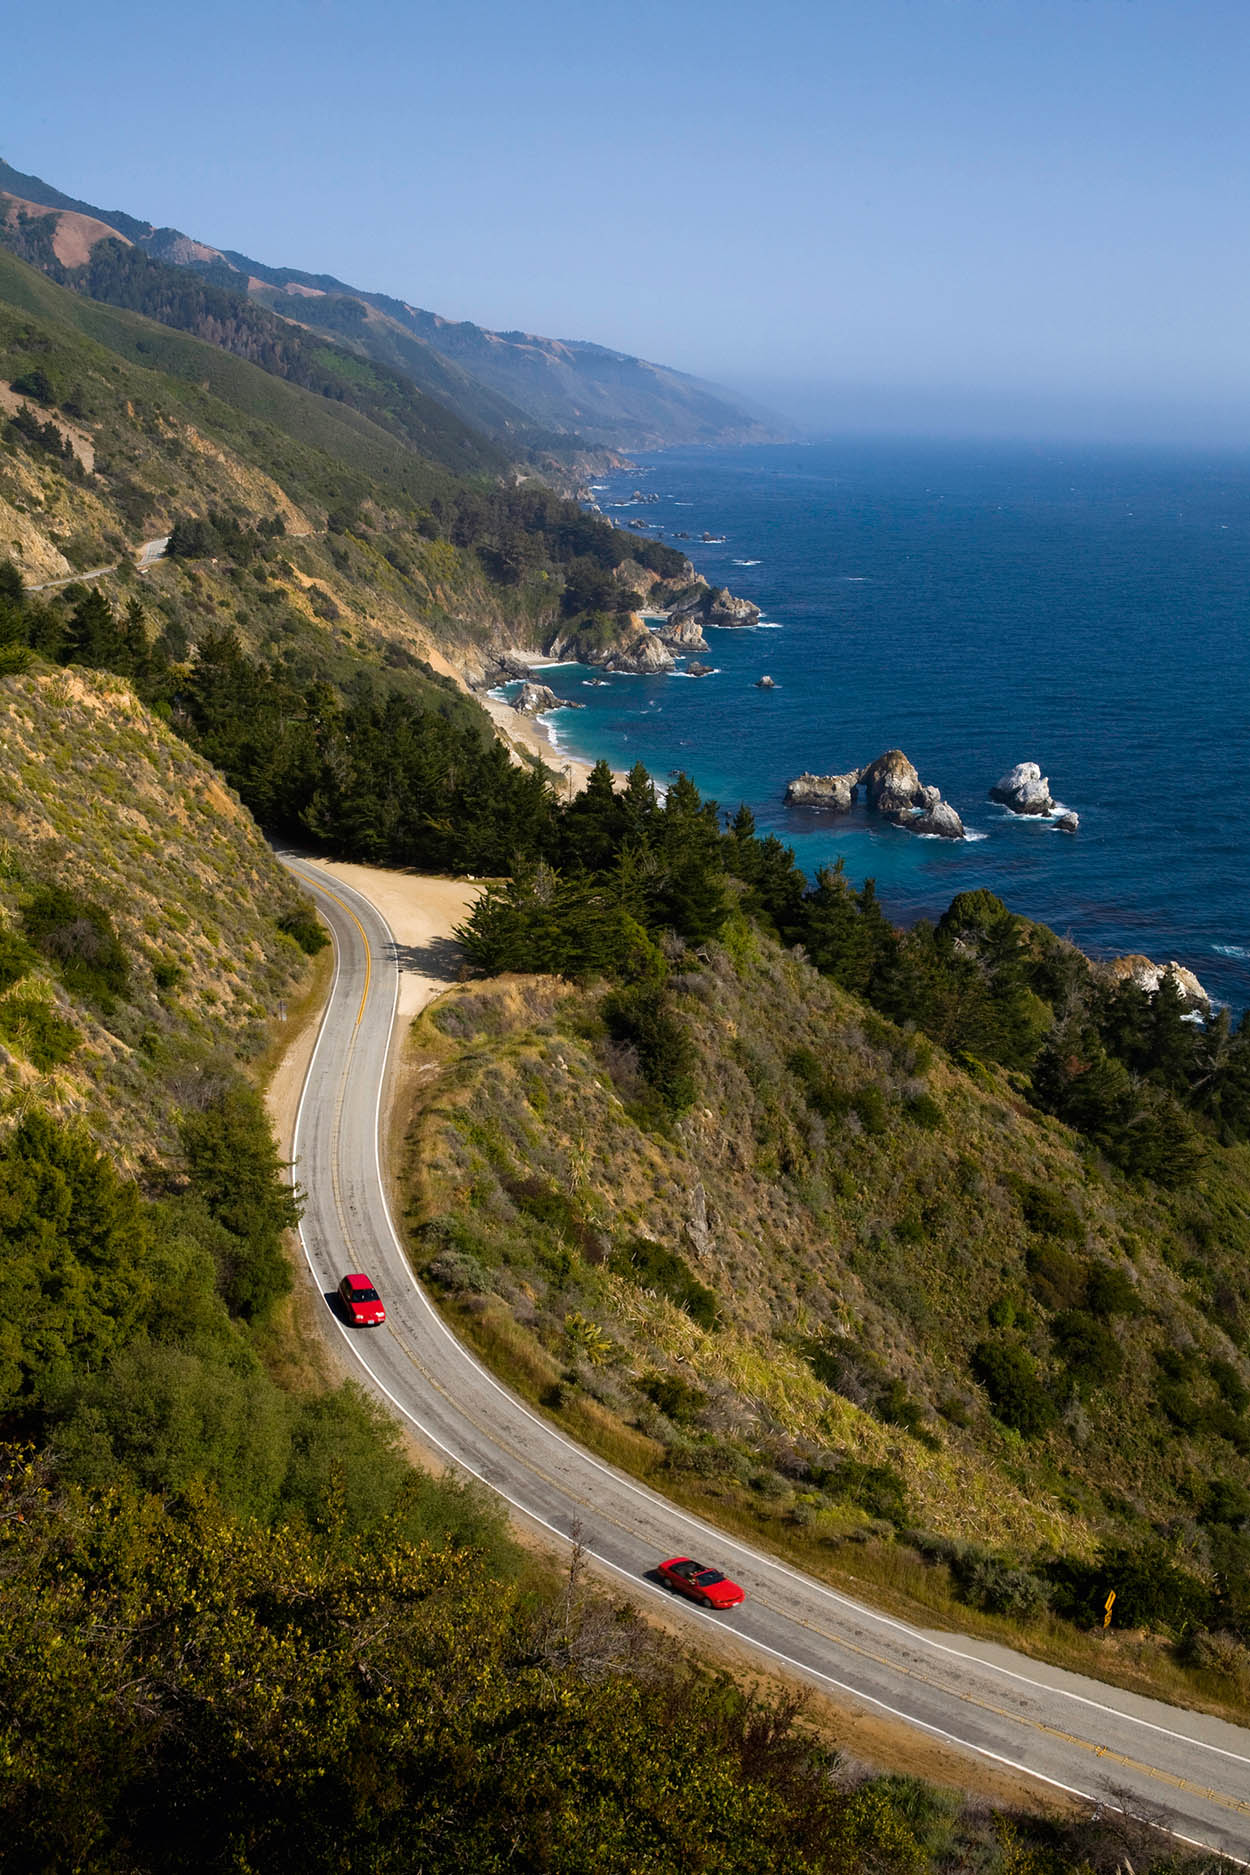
[1023,216]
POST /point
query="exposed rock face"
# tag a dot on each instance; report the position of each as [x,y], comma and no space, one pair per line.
[684,633]
[1068,823]
[1148,976]
[941,819]
[892,787]
[533,699]
[502,668]
[765,683]
[835,791]
[632,576]
[638,650]
[1025,790]
[695,669]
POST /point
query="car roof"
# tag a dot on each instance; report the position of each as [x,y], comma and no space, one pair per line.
[358,1282]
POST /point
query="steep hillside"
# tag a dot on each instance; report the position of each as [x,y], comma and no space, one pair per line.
[533,395]
[857,1295]
[128,959]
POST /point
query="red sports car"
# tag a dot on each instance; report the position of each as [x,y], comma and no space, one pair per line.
[708,1586]
[362,1302]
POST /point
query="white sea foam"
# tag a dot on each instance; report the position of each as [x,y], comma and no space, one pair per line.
[746,562]
[854,579]
[765,625]
[1239,951]
[972,833]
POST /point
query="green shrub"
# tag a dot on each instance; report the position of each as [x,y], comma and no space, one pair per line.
[238,1178]
[16,959]
[1049,1213]
[1056,1277]
[1089,1350]
[34,1028]
[652,1266]
[306,928]
[871,1108]
[877,1489]
[1009,1375]
[1110,1290]
[642,1018]
[556,1213]
[923,1110]
[79,939]
[676,1398]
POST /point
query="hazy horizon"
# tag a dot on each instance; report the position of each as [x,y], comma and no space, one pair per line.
[969,216]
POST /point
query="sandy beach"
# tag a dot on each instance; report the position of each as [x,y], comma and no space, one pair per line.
[528,736]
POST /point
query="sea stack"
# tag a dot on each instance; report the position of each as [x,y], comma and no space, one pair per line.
[893,789]
[1025,790]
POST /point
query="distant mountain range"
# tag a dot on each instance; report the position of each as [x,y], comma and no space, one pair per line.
[530,395]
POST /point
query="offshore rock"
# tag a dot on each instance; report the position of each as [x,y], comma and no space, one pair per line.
[684,633]
[1025,790]
[533,699]
[1068,823]
[716,605]
[835,791]
[765,682]
[892,785]
[941,819]
[695,669]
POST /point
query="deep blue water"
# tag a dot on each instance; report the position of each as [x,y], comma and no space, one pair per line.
[975,606]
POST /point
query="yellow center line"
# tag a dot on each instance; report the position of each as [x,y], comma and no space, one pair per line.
[342,903]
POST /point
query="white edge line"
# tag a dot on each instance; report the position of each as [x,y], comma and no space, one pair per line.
[808,1582]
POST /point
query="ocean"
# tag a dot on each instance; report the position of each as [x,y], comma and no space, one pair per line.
[975,606]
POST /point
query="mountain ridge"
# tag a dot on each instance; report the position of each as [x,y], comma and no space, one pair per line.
[571,390]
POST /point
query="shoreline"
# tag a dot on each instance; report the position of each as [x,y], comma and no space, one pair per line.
[528,736]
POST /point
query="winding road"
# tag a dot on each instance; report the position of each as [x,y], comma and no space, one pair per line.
[1074,1734]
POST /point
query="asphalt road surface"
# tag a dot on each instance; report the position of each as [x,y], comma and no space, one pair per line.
[1073,1733]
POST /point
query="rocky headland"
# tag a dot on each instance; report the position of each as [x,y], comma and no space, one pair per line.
[624,643]
[1148,976]
[891,788]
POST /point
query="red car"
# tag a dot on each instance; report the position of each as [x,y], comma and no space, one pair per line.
[362,1302]
[707,1586]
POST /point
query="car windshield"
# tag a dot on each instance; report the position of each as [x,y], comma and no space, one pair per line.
[708,1578]
[364,1295]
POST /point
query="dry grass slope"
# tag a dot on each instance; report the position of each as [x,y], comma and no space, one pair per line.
[98,797]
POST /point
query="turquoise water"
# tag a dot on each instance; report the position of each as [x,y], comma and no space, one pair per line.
[975,606]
